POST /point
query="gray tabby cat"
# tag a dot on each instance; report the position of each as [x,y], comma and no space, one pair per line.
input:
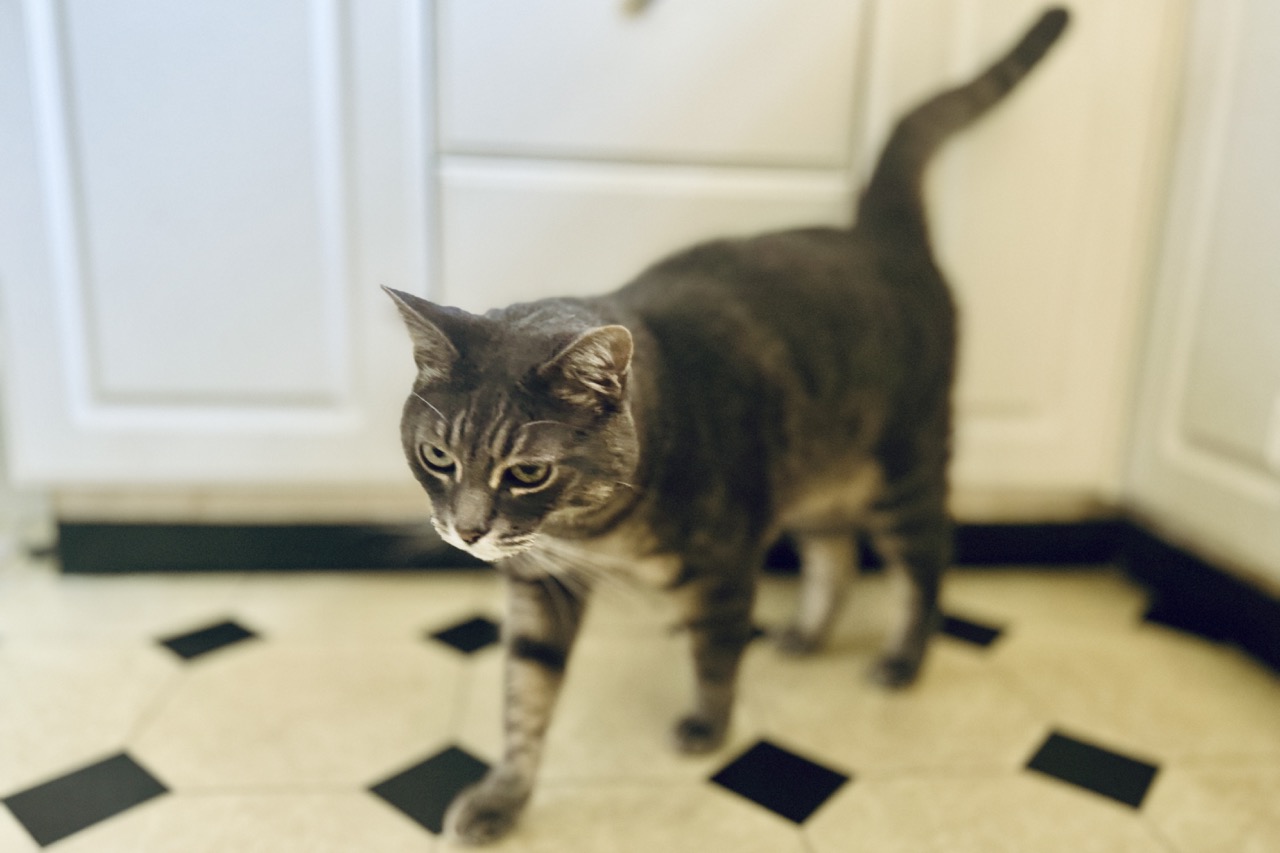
[795,382]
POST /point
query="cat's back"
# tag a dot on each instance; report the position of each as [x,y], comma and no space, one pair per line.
[834,308]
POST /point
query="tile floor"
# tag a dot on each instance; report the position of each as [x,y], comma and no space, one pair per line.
[337,712]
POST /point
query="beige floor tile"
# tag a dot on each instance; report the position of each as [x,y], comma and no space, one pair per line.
[630,818]
[957,814]
[627,685]
[617,707]
[344,607]
[263,714]
[1046,601]
[270,744]
[63,705]
[318,822]
[1151,691]
[872,607]
[1034,601]
[959,714]
[1218,809]
[39,603]
[13,838]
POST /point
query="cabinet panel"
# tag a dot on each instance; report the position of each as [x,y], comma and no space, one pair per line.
[1234,378]
[1205,466]
[197,216]
[207,203]
[520,230]
[767,82]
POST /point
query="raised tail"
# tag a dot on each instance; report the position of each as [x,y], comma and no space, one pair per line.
[892,198]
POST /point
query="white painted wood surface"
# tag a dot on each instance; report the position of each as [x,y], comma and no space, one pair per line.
[197,210]
[514,229]
[1203,465]
[1044,213]
[200,202]
[766,82]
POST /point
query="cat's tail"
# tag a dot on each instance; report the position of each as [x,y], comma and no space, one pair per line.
[892,199]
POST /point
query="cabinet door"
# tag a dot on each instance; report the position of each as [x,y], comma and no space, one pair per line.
[520,230]
[766,82]
[1206,454]
[1043,216]
[200,201]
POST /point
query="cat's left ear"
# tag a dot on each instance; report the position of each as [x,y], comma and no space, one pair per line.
[591,371]
[434,353]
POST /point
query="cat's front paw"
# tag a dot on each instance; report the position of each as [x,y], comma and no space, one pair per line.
[696,734]
[484,813]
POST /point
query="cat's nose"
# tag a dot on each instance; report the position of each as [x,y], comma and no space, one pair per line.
[470,535]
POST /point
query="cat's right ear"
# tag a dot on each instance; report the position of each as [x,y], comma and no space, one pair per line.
[433,352]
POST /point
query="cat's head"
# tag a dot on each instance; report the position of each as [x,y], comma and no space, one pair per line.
[519,422]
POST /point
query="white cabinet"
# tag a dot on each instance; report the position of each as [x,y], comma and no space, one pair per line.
[1045,213]
[513,229]
[580,144]
[766,82]
[1206,451]
[198,202]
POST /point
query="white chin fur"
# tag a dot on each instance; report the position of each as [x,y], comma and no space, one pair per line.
[485,549]
[488,551]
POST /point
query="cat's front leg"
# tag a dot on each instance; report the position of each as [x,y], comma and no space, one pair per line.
[719,621]
[542,622]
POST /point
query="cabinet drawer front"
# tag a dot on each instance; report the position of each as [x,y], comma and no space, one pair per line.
[770,82]
[514,231]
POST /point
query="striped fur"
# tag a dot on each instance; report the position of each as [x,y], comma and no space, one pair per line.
[795,382]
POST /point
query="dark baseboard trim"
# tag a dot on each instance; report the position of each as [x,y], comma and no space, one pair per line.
[110,548]
[1193,595]
[1187,592]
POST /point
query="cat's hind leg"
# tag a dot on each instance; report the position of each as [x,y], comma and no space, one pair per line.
[828,562]
[911,530]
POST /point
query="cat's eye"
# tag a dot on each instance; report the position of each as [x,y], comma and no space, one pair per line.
[437,458]
[529,474]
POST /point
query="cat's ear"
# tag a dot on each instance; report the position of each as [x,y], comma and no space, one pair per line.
[433,352]
[591,371]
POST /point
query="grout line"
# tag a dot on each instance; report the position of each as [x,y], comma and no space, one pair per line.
[163,696]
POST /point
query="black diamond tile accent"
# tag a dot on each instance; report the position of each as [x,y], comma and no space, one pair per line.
[64,806]
[471,635]
[779,780]
[1102,771]
[205,640]
[970,632]
[424,791]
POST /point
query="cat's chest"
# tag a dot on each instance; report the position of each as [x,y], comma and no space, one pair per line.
[626,554]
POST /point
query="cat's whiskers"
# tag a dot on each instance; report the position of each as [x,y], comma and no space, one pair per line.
[558,593]
[599,570]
